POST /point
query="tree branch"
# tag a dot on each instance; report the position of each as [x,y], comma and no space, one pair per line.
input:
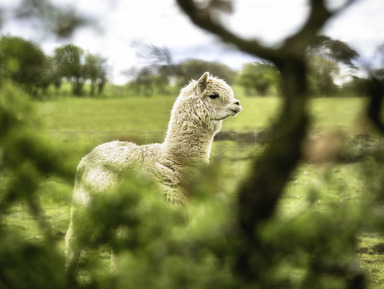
[202,18]
[271,171]
[319,14]
[374,109]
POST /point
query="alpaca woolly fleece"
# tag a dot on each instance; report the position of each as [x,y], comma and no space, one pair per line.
[196,117]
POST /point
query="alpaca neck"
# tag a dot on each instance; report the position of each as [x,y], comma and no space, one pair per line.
[189,143]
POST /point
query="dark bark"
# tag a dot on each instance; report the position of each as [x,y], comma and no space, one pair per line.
[271,171]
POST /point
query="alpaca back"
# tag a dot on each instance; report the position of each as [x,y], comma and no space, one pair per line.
[105,165]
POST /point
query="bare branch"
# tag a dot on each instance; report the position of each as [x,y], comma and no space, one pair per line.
[346,5]
[270,172]
[295,44]
[202,17]
[318,16]
[376,103]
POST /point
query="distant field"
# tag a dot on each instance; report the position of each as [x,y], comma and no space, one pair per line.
[152,114]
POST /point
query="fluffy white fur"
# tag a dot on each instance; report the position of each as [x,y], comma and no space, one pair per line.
[196,117]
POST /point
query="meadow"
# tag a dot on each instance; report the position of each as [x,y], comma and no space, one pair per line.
[77,124]
[152,114]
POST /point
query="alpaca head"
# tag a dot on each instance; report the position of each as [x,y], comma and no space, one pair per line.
[217,97]
[197,116]
[206,102]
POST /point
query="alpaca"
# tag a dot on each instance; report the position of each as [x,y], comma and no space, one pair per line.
[196,117]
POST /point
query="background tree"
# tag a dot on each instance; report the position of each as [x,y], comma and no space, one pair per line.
[322,72]
[146,82]
[258,78]
[334,49]
[161,74]
[194,68]
[55,76]
[325,55]
[155,75]
[69,62]
[46,77]
[22,61]
[95,70]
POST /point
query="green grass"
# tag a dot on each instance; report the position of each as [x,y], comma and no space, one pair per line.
[151,114]
[77,124]
[86,114]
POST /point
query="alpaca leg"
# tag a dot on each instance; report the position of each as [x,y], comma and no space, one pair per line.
[73,252]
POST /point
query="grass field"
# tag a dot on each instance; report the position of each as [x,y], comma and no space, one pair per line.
[78,124]
[152,114]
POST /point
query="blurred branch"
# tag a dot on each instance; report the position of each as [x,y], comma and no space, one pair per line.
[376,95]
[61,21]
[319,14]
[154,55]
[202,17]
[272,170]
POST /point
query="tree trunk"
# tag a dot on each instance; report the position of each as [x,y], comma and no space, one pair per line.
[271,172]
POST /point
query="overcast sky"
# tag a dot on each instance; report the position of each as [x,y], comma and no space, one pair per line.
[160,22]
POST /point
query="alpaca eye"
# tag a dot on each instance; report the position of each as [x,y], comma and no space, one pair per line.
[213,96]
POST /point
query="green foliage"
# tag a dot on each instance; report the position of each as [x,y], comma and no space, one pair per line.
[163,77]
[194,68]
[22,61]
[332,49]
[321,76]
[258,78]
[150,82]
[68,60]
[25,161]
[324,56]
[28,265]
[158,246]
[311,241]
[72,63]
[26,64]
[95,71]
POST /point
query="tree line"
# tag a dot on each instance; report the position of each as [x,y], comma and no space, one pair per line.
[26,64]
[330,61]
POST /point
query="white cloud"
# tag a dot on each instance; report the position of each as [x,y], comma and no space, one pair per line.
[162,23]
[361,25]
[268,20]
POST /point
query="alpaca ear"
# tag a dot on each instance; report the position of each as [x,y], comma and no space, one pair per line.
[202,82]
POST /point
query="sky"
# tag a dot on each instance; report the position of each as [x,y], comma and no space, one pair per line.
[119,23]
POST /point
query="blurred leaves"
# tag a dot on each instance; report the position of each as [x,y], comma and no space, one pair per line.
[58,20]
[334,49]
[26,160]
[27,265]
[22,61]
[259,78]
[26,64]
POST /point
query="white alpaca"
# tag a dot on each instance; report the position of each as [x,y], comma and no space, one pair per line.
[195,119]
